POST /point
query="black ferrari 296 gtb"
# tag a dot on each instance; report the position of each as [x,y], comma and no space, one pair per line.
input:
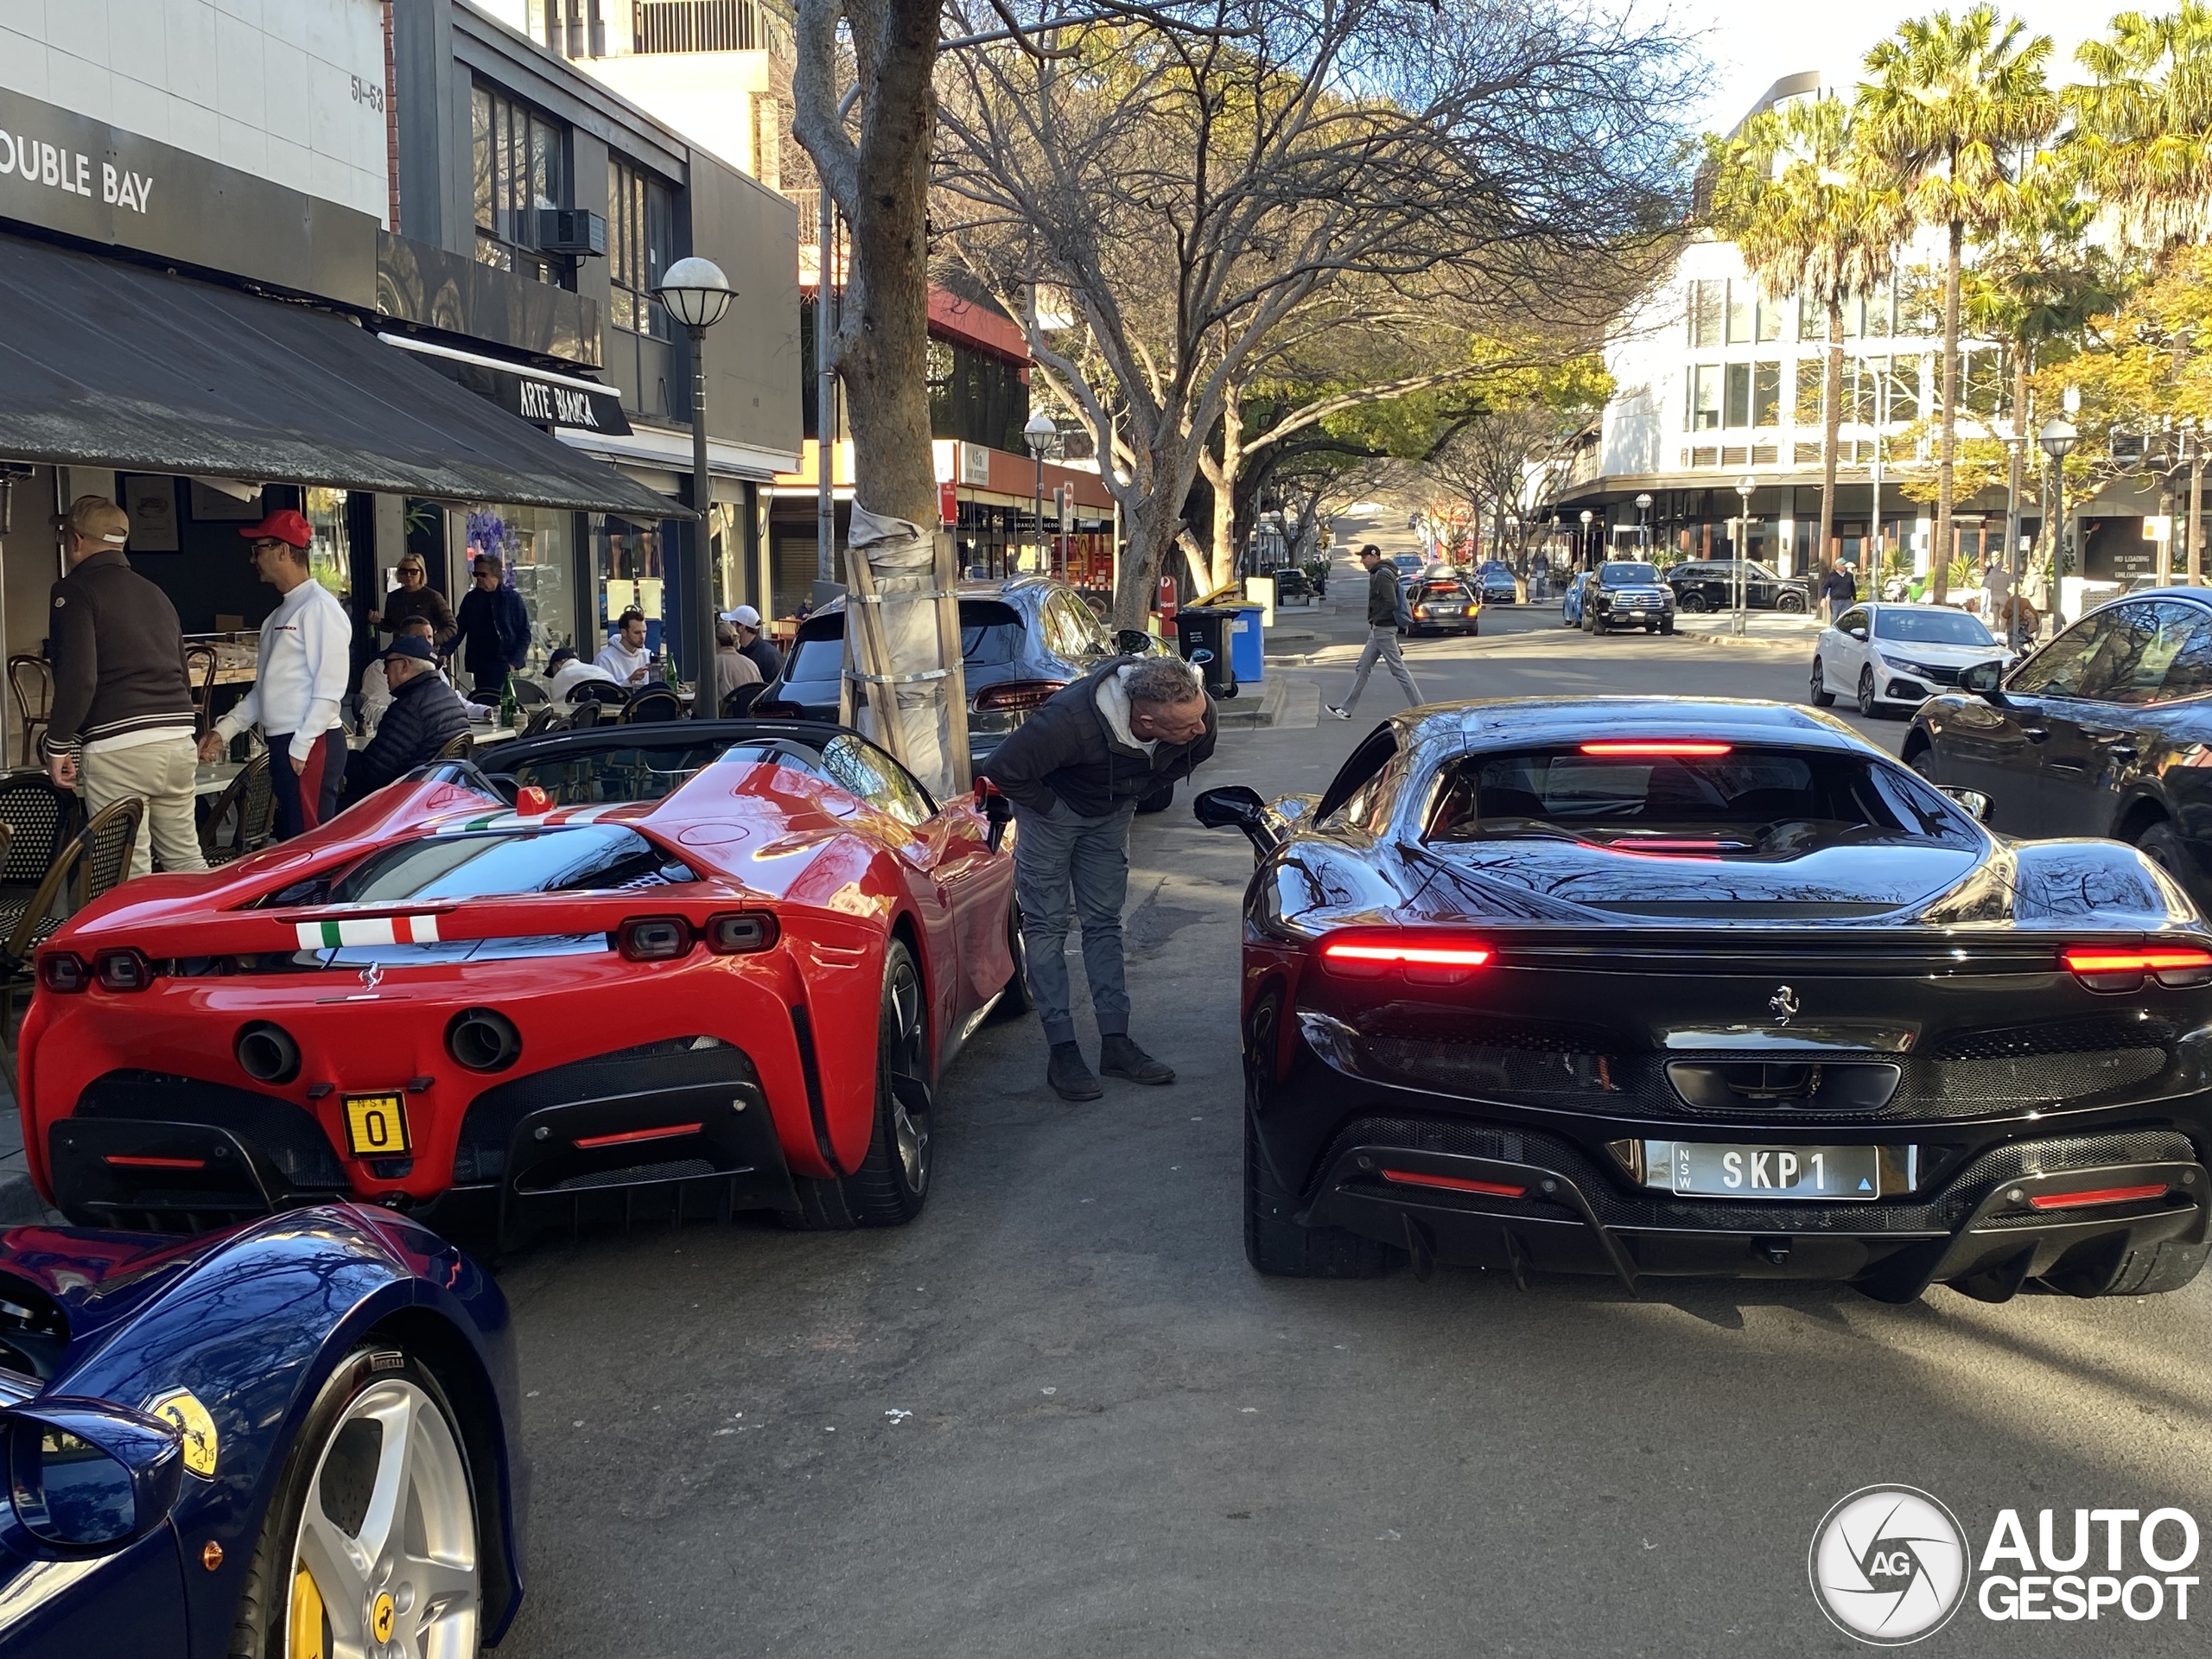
[1682,987]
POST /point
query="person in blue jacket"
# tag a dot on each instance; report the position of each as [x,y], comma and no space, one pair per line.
[494,627]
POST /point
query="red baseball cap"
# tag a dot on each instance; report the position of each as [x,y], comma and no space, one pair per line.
[283,526]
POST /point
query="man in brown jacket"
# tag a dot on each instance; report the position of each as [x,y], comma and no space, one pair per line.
[123,715]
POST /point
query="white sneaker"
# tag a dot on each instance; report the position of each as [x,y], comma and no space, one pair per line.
[1341,713]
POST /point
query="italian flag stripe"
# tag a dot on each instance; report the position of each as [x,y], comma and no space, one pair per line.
[368,929]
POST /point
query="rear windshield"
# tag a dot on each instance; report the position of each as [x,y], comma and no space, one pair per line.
[1742,800]
[1931,625]
[1625,575]
[815,659]
[991,634]
[582,858]
[631,772]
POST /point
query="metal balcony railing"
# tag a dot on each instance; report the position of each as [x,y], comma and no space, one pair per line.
[707,26]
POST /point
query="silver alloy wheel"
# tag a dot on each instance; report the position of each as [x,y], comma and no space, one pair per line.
[387,1546]
[1867,704]
[910,1133]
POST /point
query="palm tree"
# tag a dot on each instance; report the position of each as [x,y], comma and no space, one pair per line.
[2143,138]
[1951,105]
[1783,192]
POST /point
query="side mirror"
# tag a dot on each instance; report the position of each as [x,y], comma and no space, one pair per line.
[1134,642]
[1236,806]
[88,1474]
[995,808]
[1983,680]
[1973,800]
[1859,634]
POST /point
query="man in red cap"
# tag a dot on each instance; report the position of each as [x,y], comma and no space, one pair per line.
[305,653]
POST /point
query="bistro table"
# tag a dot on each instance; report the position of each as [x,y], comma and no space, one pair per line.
[210,780]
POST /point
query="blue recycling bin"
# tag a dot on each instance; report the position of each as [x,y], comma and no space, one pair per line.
[1248,652]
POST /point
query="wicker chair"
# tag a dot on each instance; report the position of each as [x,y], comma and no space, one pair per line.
[39,818]
[200,664]
[650,704]
[584,691]
[529,693]
[104,859]
[99,856]
[741,700]
[547,719]
[461,748]
[30,679]
[585,713]
[251,796]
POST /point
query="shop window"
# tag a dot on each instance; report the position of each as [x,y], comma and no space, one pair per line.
[1703,413]
[641,235]
[1743,313]
[521,168]
[1769,322]
[1766,394]
[631,565]
[1739,395]
[976,396]
[535,545]
[330,556]
[1707,302]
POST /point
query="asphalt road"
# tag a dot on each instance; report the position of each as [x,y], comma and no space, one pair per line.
[1059,1415]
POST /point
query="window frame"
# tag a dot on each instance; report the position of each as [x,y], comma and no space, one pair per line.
[501,176]
[640,212]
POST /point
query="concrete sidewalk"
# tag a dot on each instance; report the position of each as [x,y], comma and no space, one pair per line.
[19,1201]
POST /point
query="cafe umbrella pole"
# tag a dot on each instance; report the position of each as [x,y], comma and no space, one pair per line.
[696,294]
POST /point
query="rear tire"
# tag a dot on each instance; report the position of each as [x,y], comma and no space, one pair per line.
[1923,760]
[1692,602]
[1013,996]
[1790,604]
[1278,1247]
[893,1181]
[2163,1267]
[1821,696]
[2162,844]
[1666,626]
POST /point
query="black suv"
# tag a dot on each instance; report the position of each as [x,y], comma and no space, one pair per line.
[1710,585]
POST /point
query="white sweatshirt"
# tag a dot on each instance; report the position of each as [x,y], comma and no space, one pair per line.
[306,649]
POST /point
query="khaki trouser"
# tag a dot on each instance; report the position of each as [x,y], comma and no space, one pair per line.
[162,774]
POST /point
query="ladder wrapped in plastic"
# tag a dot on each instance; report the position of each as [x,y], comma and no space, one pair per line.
[902,648]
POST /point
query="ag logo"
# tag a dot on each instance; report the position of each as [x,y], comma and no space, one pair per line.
[182,1407]
[1889,1565]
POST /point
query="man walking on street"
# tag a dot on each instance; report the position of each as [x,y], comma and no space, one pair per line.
[122,710]
[1838,589]
[307,645]
[1386,607]
[494,628]
[1075,770]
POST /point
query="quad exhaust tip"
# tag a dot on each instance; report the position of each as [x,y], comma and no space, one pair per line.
[483,1040]
[267,1053]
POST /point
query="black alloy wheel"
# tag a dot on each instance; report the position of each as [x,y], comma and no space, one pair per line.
[1923,762]
[1867,705]
[1791,602]
[1691,601]
[2160,843]
[1820,696]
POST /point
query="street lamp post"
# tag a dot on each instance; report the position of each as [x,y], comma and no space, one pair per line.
[1642,524]
[696,294]
[1582,547]
[1039,434]
[1744,488]
[2057,438]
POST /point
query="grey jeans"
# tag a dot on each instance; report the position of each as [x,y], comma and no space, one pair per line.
[1383,643]
[1057,856]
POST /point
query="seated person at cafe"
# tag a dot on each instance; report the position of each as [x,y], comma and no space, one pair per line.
[733,668]
[565,671]
[626,658]
[425,715]
[756,645]
[376,685]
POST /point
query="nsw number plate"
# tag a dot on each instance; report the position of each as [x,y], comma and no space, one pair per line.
[376,1125]
[1752,1172]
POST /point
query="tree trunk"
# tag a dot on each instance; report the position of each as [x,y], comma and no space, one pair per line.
[1832,430]
[1939,555]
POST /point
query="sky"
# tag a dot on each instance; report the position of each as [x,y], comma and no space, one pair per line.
[1753,43]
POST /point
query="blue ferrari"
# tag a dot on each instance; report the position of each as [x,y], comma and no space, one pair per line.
[289,1439]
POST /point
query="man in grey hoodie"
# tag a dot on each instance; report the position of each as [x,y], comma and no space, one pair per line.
[1075,770]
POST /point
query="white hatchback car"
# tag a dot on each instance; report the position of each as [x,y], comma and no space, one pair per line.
[1880,654]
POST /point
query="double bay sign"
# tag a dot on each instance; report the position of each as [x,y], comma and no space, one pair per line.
[64,172]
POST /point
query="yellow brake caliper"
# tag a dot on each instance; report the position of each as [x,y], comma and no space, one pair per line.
[307,1619]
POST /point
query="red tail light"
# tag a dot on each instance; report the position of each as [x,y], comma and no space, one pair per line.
[1454,1183]
[2105,968]
[1423,958]
[1634,746]
[1016,695]
[627,1137]
[63,973]
[123,971]
[532,802]
[131,1160]
[742,933]
[653,938]
[2103,1195]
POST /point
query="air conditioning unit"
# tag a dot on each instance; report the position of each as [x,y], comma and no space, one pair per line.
[571,230]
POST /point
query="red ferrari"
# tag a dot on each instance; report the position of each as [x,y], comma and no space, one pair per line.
[672,970]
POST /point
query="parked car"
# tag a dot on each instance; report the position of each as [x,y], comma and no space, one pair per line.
[2102,732]
[677,969]
[1649,987]
[1291,584]
[1710,585]
[1626,593]
[1570,601]
[1020,640]
[1883,655]
[289,1437]
[1494,582]
[1443,604]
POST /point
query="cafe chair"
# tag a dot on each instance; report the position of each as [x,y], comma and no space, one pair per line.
[253,800]
[540,721]
[460,748]
[585,691]
[38,818]
[529,693]
[200,666]
[30,679]
[650,704]
[741,700]
[105,844]
[583,715]
[99,855]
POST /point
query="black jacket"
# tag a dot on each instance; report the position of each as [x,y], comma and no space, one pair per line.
[424,716]
[1065,752]
[494,631]
[118,656]
[1383,596]
[401,605]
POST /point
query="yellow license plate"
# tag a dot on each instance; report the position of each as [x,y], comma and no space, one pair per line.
[376,1125]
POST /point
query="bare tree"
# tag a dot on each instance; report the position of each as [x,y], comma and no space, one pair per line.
[1505,458]
[1177,198]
